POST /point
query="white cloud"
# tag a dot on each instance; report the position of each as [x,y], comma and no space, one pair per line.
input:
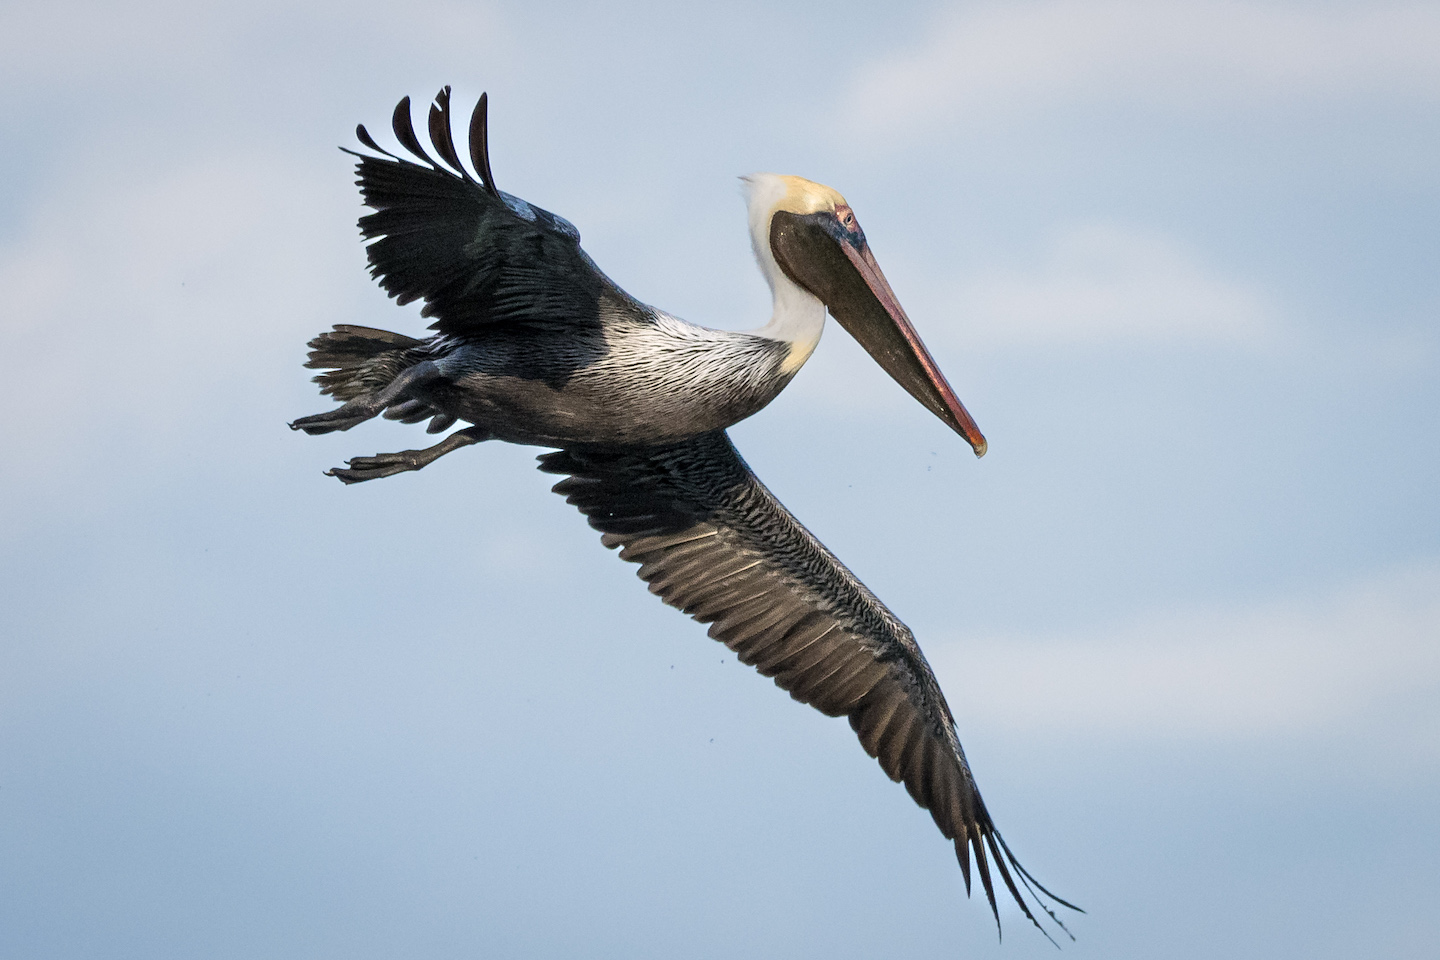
[1105,282]
[70,43]
[141,307]
[1099,285]
[1004,60]
[1275,670]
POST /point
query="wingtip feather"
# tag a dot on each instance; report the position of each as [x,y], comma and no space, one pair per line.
[480,144]
[404,128]
[441,135]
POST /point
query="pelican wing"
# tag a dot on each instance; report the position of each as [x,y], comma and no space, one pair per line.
[475,254]
[712,541]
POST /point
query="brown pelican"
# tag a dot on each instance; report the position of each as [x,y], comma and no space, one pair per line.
[535,345]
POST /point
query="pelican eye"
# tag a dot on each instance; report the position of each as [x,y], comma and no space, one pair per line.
[845,217]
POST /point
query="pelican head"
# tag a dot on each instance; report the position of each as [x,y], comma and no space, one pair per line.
[811,248]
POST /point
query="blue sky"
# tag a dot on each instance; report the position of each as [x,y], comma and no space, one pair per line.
[1178,259]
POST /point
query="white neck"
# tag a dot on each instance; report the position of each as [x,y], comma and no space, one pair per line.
[798,317]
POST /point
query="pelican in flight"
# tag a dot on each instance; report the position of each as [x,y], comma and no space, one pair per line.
[534,344]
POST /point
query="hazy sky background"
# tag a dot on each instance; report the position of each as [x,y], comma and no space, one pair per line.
[1180,260]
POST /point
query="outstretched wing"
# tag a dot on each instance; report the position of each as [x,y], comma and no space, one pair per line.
[475,254]
[712,541]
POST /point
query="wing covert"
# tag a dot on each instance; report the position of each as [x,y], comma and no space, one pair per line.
[711,540]
[475,254]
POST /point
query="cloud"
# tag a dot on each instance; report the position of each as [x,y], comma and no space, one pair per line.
[1274,670]
[145,308]
[71,43]
[1095,283]
[996,60]
[1098,285]
[1106,282]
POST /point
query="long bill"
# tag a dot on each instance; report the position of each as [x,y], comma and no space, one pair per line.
[857,294]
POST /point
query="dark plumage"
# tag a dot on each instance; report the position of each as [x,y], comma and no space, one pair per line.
[475,255]
[712,541]
[535,345]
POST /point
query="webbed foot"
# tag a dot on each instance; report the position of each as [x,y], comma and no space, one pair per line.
[388,464]
[360,409]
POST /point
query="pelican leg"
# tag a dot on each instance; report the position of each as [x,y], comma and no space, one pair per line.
[363,408]
[389,464]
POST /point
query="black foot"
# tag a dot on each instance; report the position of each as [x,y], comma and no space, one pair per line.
[363,408]
[380,465]
[389,464]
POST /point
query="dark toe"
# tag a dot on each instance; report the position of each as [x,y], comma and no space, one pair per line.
[348,477]
[337,419]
